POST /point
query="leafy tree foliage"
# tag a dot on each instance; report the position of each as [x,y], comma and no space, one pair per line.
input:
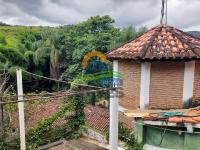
[58,52]
[49,49]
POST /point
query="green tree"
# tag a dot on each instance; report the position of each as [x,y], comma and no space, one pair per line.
[96,33]
[126,34]
[49,50]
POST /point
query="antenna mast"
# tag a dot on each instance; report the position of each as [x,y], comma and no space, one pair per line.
[163,12]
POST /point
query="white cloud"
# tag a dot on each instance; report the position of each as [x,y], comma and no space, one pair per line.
[181,13]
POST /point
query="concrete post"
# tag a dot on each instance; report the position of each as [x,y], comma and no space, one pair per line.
[21,110]
[113,134]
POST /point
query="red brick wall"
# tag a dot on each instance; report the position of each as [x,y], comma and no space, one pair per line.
[196,91]
[166,85]
[131,73]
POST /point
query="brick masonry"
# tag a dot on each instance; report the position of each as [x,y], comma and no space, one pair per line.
[166,85]
[131,73]
[196,91]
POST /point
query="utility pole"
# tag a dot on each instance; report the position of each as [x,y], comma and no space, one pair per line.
[21,109]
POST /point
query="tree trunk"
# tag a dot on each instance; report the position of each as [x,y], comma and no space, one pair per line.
[93,99]
[55,72]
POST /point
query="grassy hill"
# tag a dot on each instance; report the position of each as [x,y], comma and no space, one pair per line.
[12,36]
[14,42]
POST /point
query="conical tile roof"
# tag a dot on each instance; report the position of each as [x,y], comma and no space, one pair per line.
[159,43]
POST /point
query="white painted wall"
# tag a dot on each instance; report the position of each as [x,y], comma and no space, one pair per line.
[188,83]
[145,85]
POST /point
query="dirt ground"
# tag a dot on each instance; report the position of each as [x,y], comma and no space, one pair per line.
[79,144]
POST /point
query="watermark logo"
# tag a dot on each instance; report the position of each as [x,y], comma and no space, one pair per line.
[97,68]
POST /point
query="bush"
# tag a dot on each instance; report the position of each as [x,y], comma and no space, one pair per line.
[126,135]
[43,133]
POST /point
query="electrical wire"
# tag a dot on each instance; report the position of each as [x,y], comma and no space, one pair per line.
[30,94]
[50,93]
[68,93]
[61,81]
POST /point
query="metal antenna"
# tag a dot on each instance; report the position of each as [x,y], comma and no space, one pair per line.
[163,12]
[166,12]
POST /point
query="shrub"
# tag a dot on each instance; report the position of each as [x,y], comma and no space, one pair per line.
[126,135]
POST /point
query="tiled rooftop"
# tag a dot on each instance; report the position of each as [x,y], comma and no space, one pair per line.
[159,43]
[190,116]
[98,118]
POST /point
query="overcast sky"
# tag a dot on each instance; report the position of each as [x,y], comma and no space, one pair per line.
[184,14]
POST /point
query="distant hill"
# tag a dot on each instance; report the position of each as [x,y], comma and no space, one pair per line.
[3,24]
[194,33]
[12,36]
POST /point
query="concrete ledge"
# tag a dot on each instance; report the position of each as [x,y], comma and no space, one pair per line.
[51,145]
[189,126]
[150,147]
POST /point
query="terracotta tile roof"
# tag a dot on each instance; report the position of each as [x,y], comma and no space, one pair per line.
[159,43]
[190,116]
[35,113]
[98,118]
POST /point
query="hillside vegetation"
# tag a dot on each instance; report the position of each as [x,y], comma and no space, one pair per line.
[58,52]
[14,42]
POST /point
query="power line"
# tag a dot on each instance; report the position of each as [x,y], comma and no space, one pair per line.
[32,94]
[61,81]
[48,93]
[54,95]
[55,80]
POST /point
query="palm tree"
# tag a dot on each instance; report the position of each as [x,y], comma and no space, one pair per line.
[48,48]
